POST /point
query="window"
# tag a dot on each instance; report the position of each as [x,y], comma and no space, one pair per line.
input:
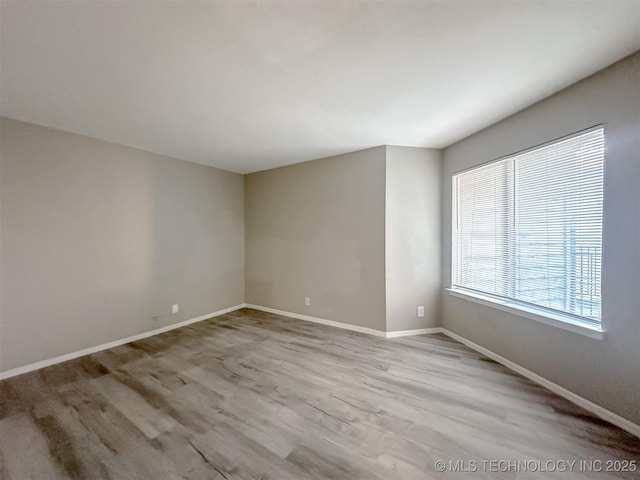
[527,229]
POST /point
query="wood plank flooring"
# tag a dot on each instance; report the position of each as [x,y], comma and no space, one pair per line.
[251,395]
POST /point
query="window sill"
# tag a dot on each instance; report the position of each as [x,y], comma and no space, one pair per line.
[539,315]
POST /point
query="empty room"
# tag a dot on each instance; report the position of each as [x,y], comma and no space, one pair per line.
[319,240]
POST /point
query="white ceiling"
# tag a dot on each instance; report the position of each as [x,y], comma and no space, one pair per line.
[251,86]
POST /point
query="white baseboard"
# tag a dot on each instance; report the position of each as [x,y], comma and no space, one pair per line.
[346,326]
[601,412]
[417,331]
[331,323]
[86,351]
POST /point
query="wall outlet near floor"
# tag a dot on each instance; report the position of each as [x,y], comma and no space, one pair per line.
[307,301]
[174,308]
[421,311]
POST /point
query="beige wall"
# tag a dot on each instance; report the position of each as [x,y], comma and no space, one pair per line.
[606,371]
[316,229]
[96,238]
[412,245]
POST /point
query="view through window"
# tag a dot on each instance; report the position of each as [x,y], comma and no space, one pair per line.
[528,228]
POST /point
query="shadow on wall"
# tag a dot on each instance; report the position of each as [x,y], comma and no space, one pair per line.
[98,238]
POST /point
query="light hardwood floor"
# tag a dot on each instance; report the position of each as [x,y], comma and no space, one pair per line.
[256,395]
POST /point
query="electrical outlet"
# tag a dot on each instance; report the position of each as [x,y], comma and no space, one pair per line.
[307,301]
[421,311]
[174,308]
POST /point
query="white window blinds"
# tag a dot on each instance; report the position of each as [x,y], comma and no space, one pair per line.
[529,227]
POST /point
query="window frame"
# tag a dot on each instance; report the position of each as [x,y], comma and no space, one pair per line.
[549,316]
